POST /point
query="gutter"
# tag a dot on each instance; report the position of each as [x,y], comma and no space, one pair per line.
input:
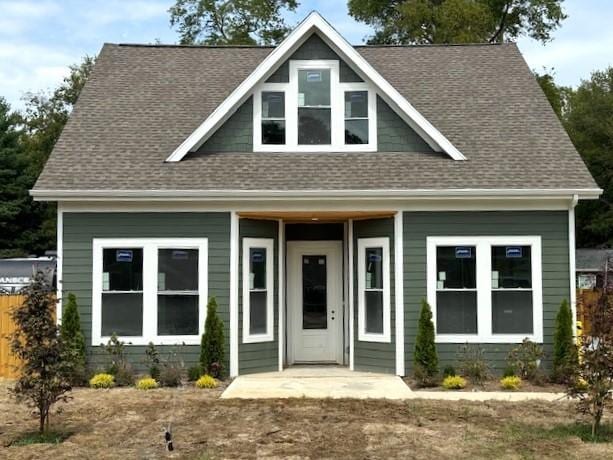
[221,195]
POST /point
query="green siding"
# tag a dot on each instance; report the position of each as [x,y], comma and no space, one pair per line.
[235,135]
[372,356]
[314,48]
[552,226]
[258,357]
[394,135]
[80,229]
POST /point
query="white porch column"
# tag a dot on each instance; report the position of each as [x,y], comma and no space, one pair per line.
[234,332]
[571,260]
[350,269]
[399,290]
[281,328]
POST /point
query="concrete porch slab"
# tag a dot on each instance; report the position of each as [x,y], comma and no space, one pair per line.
[318,382]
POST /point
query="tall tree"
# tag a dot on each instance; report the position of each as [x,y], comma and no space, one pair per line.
[231,22]
[589,122]
[457,21]
[556,95]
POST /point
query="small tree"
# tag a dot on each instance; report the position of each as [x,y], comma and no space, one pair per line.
[47,366]
[212,345]
[425,357]
[564,349]
[525,359]
[593,383]
[73,338]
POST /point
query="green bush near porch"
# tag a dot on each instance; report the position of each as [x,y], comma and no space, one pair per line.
[425,356]
[212,345]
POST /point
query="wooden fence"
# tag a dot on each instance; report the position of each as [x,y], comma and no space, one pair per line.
[8,364]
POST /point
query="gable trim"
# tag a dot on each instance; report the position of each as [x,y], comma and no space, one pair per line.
[314,22]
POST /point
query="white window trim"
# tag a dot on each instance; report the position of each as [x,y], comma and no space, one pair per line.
[363,244]
[268,244]
[483,245]
[337,107]
[150,247]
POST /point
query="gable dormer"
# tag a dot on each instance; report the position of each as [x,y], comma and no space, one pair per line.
[315,93]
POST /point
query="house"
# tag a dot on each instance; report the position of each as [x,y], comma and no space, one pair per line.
[591,265]
[319,191]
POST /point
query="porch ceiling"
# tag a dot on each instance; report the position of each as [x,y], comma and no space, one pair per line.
[316,216]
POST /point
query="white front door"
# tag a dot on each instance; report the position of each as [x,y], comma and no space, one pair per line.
[315,301]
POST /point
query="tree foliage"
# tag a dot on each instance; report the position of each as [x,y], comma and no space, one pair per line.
[230,22]
[212,345]
[26,140]
[425,358]
[457,21]
[46,369]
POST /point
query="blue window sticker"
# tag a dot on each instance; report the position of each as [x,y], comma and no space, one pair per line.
[123,255]
[513,252]
[313,76]
[463,252]
[179,254]
[374,257]
[257,256]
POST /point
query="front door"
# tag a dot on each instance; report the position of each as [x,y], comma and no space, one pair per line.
[314,302]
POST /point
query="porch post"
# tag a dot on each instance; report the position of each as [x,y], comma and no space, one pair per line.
[281,327]
[350,269]
[399,290]
[234,294]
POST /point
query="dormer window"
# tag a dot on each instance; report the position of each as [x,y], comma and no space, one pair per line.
[314,112]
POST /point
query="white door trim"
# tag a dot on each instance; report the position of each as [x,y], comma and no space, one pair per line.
[299,248]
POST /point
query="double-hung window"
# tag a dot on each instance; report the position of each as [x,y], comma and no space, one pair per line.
[485,289]
[373,290]
[149,290]
[314,111]
[258,290]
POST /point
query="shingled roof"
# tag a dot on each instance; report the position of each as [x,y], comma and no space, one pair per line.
[141,102]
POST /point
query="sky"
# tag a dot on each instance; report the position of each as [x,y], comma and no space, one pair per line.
[39,39]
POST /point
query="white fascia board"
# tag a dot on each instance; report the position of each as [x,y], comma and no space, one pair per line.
[250,195]
[315,22]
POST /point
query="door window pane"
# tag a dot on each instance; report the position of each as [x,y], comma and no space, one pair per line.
[258,301]
[374,311]
[314,126]
[314,292]
[313,87]
[456,267]
[512,312]
[456,312]
[374,268]
[178,314]
[511,267]
[178,269]
[122,314]
[122,269]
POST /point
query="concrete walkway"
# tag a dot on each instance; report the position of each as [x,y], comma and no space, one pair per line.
[340,382]
[318,382]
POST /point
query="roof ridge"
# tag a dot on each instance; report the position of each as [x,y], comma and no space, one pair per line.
[416,45]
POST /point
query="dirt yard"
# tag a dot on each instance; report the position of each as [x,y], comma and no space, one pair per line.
[127,424]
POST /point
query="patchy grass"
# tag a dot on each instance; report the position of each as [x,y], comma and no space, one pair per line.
[51,437]
[127,423]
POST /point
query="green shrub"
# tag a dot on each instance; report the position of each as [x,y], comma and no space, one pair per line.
[508,372]
[119,366]
[102,381]
[425,358]
[74,341]
[454,382]
[212,345]
[449,370]
[146,383]
[525,359]
[172,371]
[206,381]
[194,373]
[510,383]
[152,360]
[473,364]
[564,349]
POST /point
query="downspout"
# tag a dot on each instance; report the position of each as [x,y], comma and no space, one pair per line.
[571,258]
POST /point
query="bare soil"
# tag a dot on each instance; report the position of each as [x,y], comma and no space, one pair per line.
[127,424]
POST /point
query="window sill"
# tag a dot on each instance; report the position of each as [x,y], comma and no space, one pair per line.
[498,338]
[260,338]
[158,340]
[377,338]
